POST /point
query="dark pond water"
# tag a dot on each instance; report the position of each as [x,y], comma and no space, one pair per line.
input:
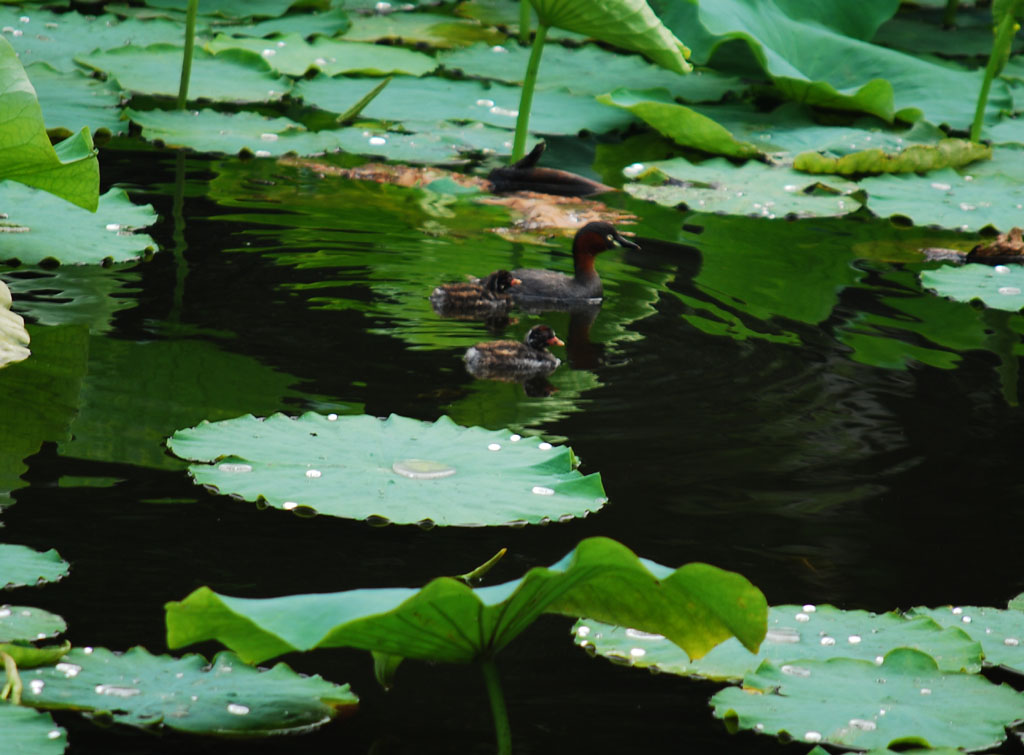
[777,398]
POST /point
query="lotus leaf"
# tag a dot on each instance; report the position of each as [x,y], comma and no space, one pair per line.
[863,705]
[1000,631]
[237,9]
[752,189]
[795,633]
[28,624]
[922,30]
[21,566]
[292,55]
[812,60]
[82,294]
[683,125]
[73,101]
[555,111]
[225,697]
[31,731]
[696,605]
[429,28]
[399,470]
[629,24]
[329,23]
[14,338]
[918,158]
[572,69]
[74,236]
[58,38]
[231,76]
[69,170]
[999,287]
[948,199]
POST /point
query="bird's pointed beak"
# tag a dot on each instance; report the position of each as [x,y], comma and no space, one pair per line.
[555,341]
[514,282]
[622,241]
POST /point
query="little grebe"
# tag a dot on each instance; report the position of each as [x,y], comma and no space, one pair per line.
[550,287]
[475,300]
[514,360]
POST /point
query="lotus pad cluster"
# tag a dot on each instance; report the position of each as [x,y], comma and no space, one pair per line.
[395,470]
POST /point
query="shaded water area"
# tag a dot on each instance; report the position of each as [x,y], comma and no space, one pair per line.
[777,398]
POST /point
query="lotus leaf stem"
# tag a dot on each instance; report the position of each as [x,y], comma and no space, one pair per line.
[526,99]
[524,22]
[186,58]
[12,689]
[502,731]
[1000,52]
[949,15]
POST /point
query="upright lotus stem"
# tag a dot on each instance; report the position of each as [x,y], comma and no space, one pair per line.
[186,59]
[526,99]
[524,22]
[502,731]
[949,15]
[1000,52]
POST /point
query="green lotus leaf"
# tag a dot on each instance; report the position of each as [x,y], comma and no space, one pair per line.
[38,400]
[238,9]
[863,705]
[29,730]
[231,76]
[329,23]
[28,624]
[56,230]
[629,24]
[231,133]
[696,605]
[751,189]
[14,338]
[76,294]
[795,633]
[58,38]
[999,287]
[30,656]
[428,28]
[572,69]
[435,99]
[72,101]
[398,470]
[919,29]
[1000,631]
[68,170]
[812,58]
[292,55]
[224,697]
[21,566]
[918,158]
[682,124]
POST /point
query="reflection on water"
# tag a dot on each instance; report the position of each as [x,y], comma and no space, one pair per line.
[780,398]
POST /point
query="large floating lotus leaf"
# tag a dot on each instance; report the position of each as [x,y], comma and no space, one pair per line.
[572,68]
[812,62]
[432,98]
[56,230]
[58,38]
[231,133]
[1000,631]
[750,189]
[14,338]
[947,199]
[232,76]
[293,55]
[224,697]
[69,170]
[330,23]
[999,287]
[863,705]
[236,9]
[72,101]
[429,28]
[399,469]
[20,566]
[696,605]
[629,24]
[27,730]
[682,124]
[25,623]
[920,29]
[795,633]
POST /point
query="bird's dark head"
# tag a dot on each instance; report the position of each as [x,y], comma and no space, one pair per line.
[500,281]
[542,336]
[594,238]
